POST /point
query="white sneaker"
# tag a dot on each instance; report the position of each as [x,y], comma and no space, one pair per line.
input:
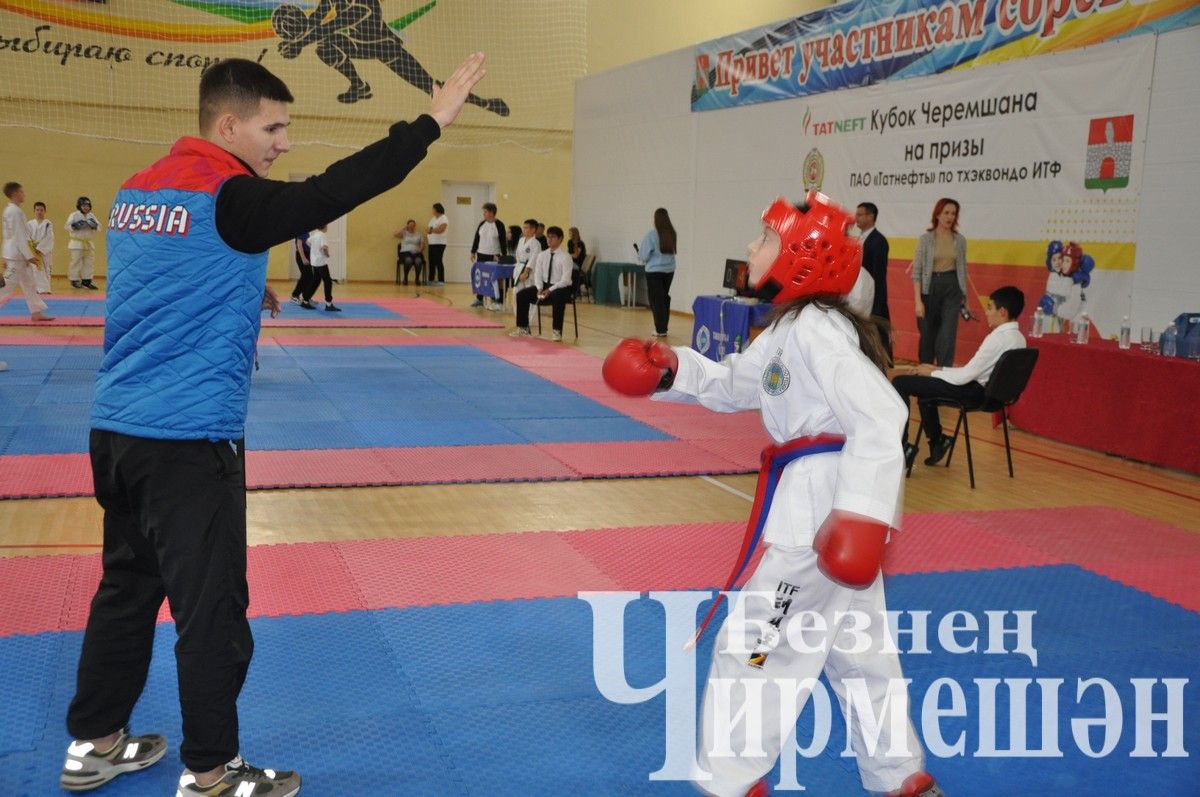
[242,778]
[520,332]
[85,769]
[556,335]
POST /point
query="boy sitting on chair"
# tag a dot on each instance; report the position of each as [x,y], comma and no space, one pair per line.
[551,285]
[966,384]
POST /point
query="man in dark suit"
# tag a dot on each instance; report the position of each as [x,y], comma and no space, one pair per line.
[874,262]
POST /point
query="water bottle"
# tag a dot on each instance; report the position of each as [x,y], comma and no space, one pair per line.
[737,344]
[1123,337]
[1039,323]
[1080,327]
[1170,341]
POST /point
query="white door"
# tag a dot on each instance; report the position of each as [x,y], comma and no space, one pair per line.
[464,209]
[337,244]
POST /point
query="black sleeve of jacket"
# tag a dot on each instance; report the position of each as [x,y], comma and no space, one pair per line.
[475,242]
[254,214]
[875,263]
[503,233]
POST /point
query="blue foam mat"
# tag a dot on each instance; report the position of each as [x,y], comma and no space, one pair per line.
[498,698]
[320,397]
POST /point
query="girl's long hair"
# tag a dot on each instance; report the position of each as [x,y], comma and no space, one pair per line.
[666,231]
[870,331]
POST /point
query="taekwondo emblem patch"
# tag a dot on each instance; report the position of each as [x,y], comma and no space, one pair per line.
[703,339]
[776,378]
[812,173]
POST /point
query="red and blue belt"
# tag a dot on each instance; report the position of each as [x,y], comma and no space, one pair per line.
[774,460]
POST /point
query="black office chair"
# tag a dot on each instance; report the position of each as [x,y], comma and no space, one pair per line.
[585,277]
[575,277]
[1004,387]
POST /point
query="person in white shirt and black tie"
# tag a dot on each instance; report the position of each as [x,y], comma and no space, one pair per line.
[551,285]
[966,383]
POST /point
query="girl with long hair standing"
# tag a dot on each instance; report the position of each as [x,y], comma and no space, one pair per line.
[657,252]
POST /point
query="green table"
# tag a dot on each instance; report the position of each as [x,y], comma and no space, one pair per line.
[606,283]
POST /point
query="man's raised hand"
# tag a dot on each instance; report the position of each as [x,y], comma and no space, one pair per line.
[449,97]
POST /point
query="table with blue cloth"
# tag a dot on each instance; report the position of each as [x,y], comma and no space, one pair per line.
[491,279]
[606,283]
[723,324]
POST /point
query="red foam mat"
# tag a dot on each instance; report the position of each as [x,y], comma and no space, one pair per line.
[473,568]
[52,593]
[45,475]
[698,556]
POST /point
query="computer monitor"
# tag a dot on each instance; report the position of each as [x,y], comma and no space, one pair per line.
[737,277]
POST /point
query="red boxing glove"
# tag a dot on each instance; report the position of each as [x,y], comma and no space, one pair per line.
[850,549]
[635,367]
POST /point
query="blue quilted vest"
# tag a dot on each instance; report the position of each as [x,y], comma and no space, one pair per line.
[183,308]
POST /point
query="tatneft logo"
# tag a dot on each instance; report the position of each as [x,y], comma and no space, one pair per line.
[831,127]
[976,717]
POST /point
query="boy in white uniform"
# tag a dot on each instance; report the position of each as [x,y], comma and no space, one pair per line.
[81,226]
[41,236]
[526,253]
[835,474]
[19,256]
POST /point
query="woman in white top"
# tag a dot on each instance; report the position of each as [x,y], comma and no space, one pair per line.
[436,235]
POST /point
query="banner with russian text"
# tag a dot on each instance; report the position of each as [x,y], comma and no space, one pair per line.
[862,42]
[1035,151]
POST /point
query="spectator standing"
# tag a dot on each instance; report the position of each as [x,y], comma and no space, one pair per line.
[304,264]
[436,235]
[657,252]
[41,237]
[489,245]
[318,245]
[81,226]
[940,283]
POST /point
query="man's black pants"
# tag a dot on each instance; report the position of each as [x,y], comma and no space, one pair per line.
[557,301]
[306,276]
[930,387]
[321,276]
[174,526]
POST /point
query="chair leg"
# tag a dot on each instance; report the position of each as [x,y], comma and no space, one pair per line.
[970,462]
[575,317]
[539,315]
[1007,448]
[954,438]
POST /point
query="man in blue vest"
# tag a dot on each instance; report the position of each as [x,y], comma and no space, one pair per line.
[187,263]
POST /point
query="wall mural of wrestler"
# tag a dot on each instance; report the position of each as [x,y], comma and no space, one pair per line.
[348,30]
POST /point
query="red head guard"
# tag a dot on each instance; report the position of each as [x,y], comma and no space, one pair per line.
[1072,255]
[815,254]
